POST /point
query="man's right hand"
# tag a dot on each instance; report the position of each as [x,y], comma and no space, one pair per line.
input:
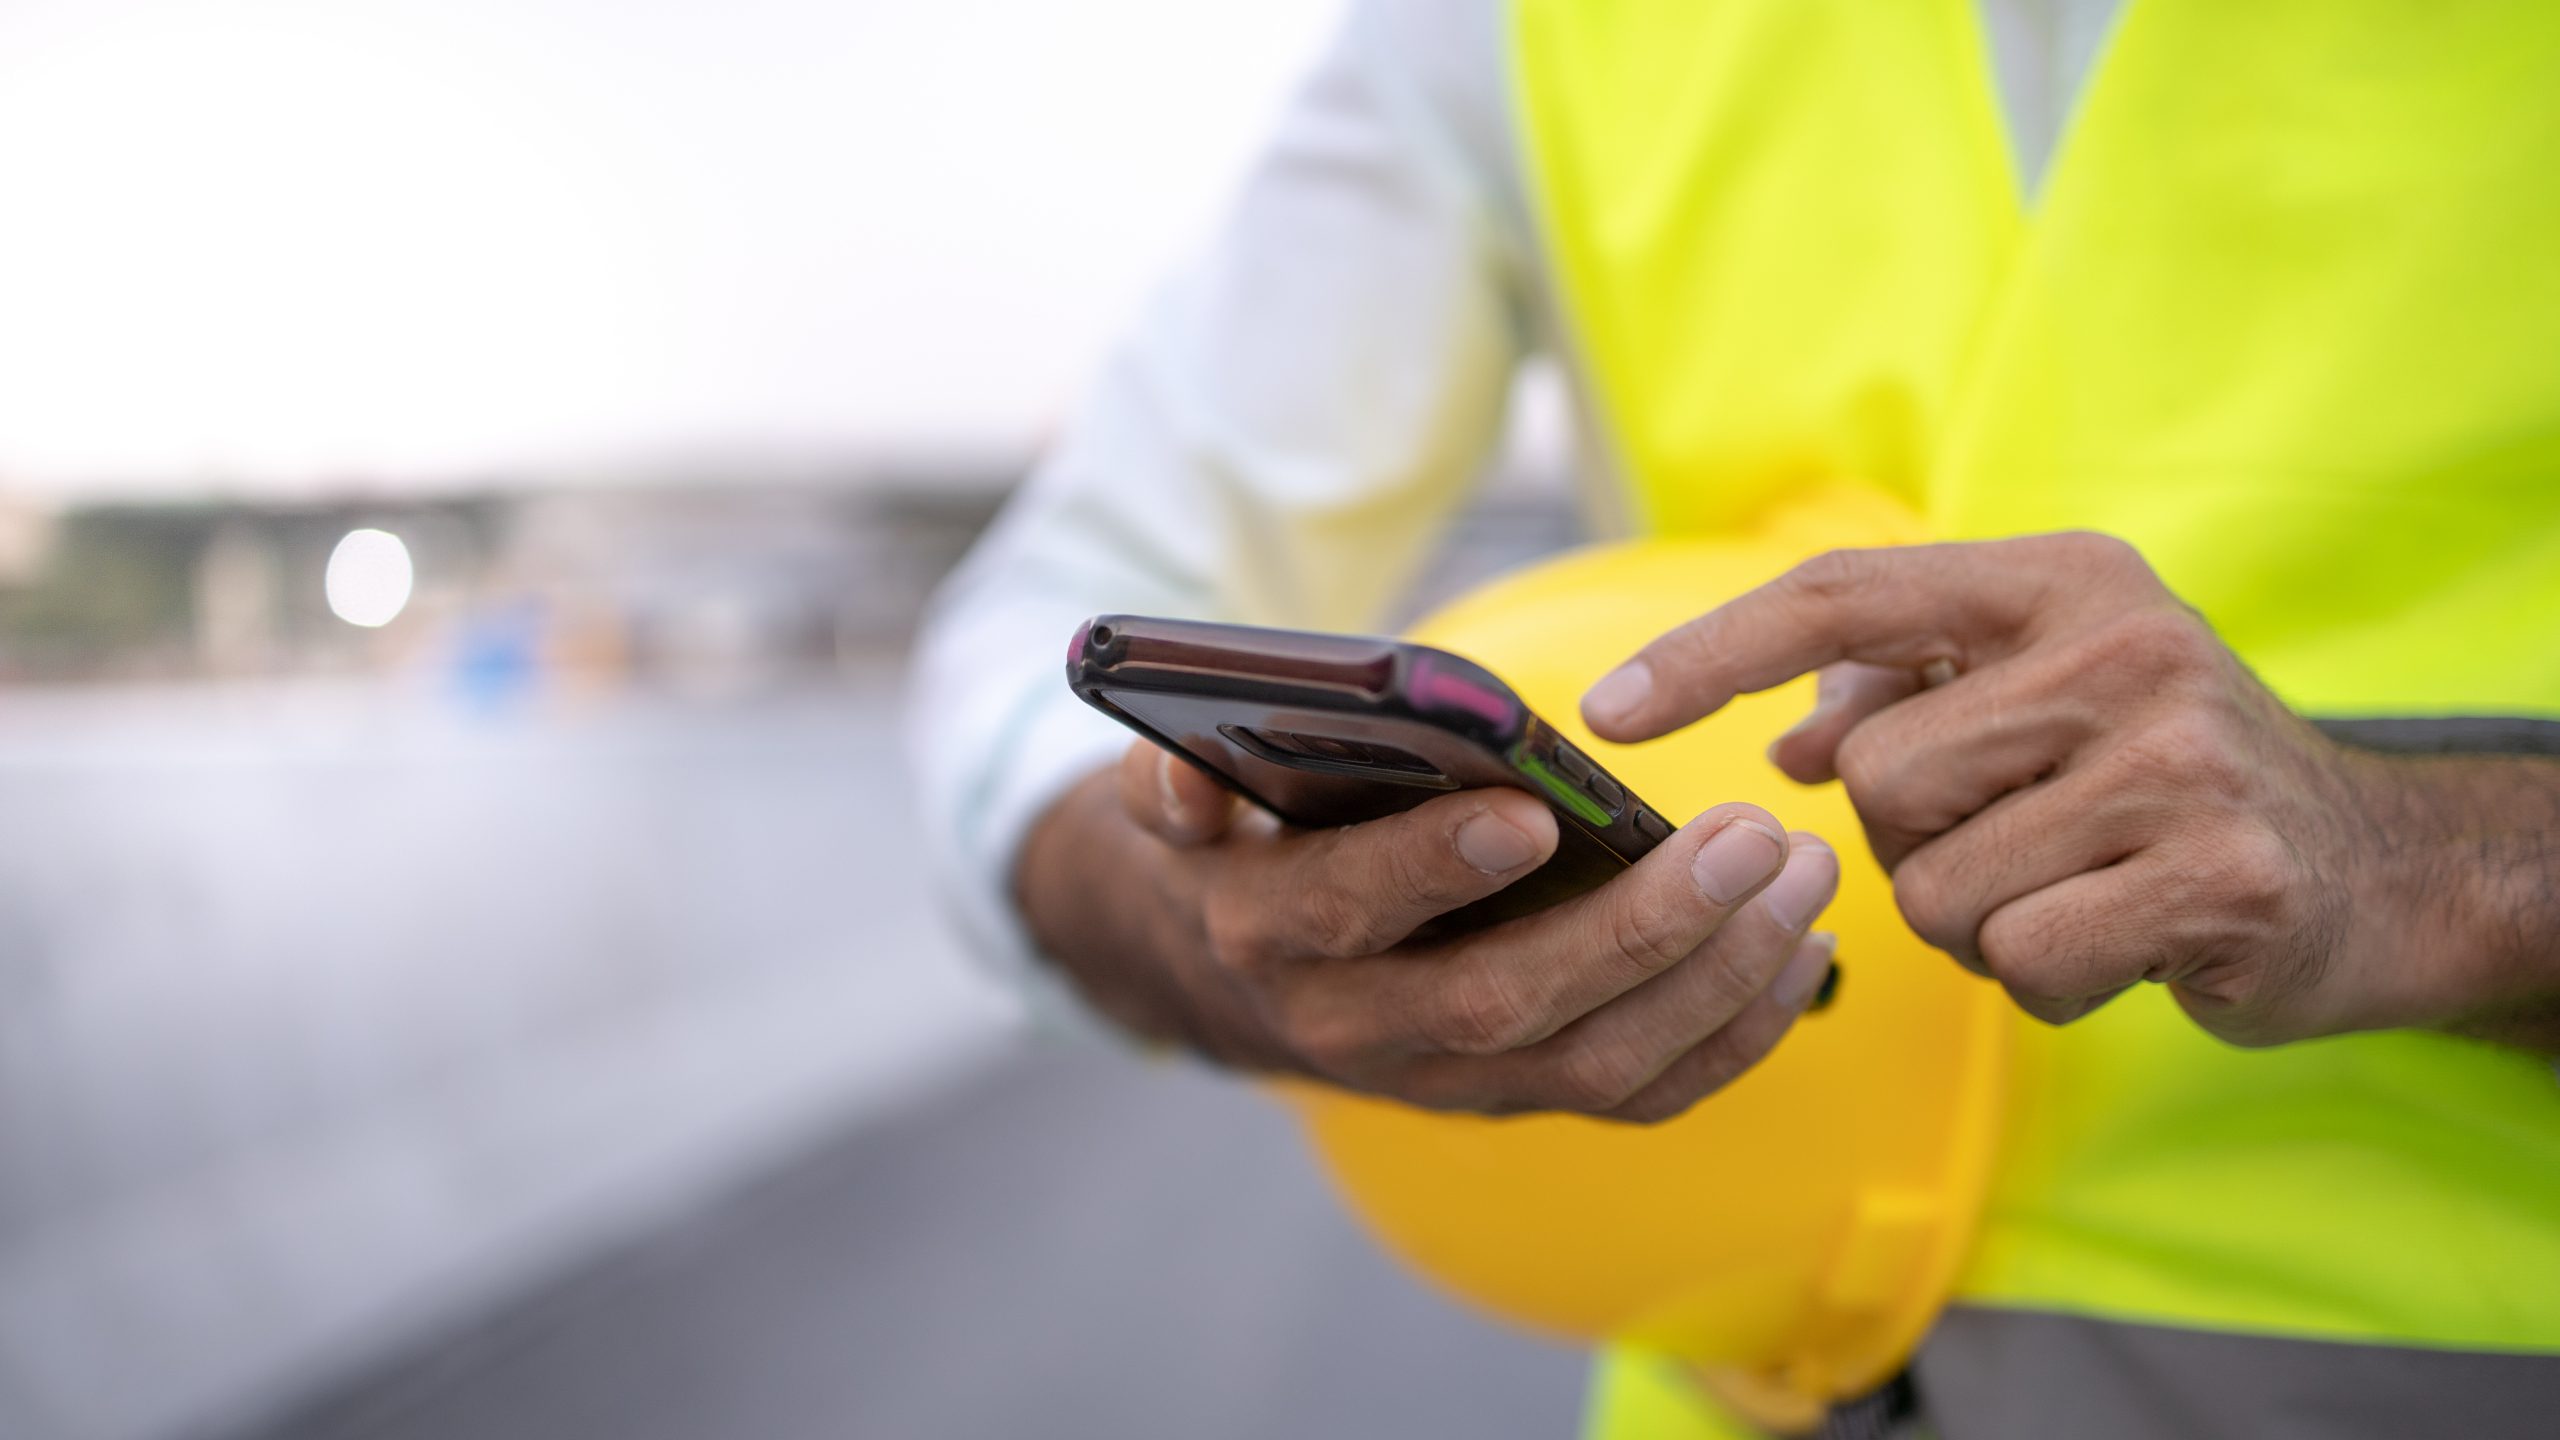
[1189,916]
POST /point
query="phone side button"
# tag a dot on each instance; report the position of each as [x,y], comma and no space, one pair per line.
[1606,791]
[1575,766]
[1651,826]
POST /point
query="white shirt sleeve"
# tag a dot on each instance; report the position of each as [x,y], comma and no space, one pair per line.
[1278,441]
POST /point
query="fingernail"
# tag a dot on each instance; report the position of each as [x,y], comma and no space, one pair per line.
[1619,692]
[1805,886]
[1494,845]
[1811,718]
[1808,974]
[1733,860]
[1829,689]
[1790,733]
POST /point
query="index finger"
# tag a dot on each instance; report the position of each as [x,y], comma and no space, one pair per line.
[1909,606]
[1171,797]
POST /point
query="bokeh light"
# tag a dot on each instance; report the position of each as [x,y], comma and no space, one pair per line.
[369,578]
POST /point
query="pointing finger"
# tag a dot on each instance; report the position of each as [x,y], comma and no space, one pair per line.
[1922,607]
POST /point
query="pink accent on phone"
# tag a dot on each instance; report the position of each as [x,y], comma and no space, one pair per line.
[1437,689]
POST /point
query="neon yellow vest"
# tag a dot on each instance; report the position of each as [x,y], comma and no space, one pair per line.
[2288,318]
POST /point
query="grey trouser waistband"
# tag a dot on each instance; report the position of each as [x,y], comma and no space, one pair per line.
[1990,1374]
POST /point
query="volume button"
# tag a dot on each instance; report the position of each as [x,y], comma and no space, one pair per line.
[1606,791]
[1575,765]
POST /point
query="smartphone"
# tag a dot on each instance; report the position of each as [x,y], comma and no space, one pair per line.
[1334,729]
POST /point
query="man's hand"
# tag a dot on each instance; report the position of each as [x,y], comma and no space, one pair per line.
[1188,915]
[2077,786]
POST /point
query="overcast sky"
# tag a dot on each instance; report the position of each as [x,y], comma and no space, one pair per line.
[260,245]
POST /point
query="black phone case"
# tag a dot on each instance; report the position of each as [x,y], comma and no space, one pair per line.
[1336,729]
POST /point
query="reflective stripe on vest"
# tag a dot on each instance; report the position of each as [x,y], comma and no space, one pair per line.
[2288,319]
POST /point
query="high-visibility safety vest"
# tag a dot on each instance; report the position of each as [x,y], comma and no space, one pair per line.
[2287,317]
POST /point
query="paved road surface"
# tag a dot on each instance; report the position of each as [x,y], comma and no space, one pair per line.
[337,1026]
[1071,1246]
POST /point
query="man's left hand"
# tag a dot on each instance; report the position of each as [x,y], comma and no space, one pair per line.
[2074,783]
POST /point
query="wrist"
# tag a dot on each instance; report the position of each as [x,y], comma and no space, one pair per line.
[2511,859]
[2466,889]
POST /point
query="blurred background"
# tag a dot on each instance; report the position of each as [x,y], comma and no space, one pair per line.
[468,472]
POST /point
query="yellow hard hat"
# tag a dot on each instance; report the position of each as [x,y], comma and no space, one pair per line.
[1793,1235]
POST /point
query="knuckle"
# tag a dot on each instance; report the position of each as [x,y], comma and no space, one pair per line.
[1730,989]
[1723,1057]
[2010,942]
[2251,1034]
[1414,878]
[1884,793]
[2242,1009]
[1860,763]
[2153,641]
[1598,1077]
[1834,574]
[2247,1010]
[1738,1050]
[2048,1009]
[2187,751]
[1240,936]
[2033,987]
[1333,1043]
[1655,1107]
[1336,923]
[1630,1115]
[1929,903]
[1479,1015]
[2251,872]
[2016,952]
[2095,550]
[1651,933]
[1450,1094]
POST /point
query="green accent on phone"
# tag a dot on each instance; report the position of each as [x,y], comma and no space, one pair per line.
[1558,788]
